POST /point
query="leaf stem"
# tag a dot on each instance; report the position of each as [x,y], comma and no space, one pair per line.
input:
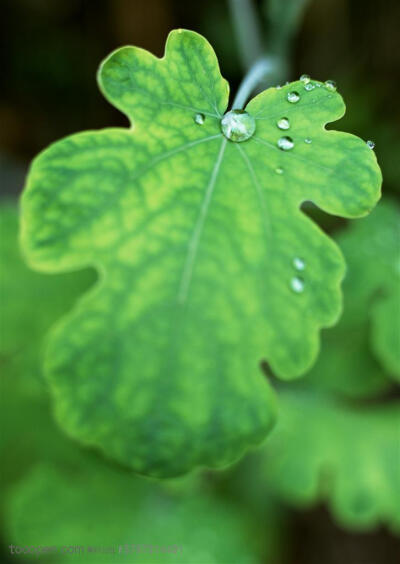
[248,31]
[262,69]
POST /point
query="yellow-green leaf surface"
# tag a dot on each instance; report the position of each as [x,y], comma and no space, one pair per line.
[126,519]
[323,449]
[195,238]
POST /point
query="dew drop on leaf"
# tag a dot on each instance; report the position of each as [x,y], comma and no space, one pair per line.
[297,284]
[305,78]
[309,86]
[370,144]
[307,140]
[285,143]
[283,123]
[279,170]
[299,263]
[330,85]
[293,97]
[199,118]
[238,125]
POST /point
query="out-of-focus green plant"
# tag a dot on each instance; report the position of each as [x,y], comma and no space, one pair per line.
[329,443]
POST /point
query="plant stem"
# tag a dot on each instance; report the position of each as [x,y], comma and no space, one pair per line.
[258,73]
[247,30]
[260,68]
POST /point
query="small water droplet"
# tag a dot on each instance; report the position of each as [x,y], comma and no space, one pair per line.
[309,86]
[330,85]
[283,123]
[238,125]
[307,140]
[370,144]
[278,86]
[293,97]
[299,263]
[305,78]
[285,143]
[279,170]
[297,284]
[199,119]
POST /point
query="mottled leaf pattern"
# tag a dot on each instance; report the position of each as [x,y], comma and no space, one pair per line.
[194,238]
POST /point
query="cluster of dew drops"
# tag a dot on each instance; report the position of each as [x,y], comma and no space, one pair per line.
[238,126]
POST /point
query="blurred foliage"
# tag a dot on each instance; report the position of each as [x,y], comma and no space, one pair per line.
[328,443]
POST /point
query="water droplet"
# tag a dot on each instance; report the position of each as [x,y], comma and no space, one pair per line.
[370,144]
[238,125]
[293,97]
[330,85]
[297,284]
[278,86]
[307,140]
[305,78]
[199,119]
[283,123]
[299,263]
[309,86]
[279,170]
[285,143]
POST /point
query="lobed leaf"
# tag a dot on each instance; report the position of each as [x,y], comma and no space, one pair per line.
[194,237]
[347,455]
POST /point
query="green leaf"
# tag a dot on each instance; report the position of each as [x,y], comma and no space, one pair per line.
[194,237]
[362,351]
[371,248]
[53,508]
[324,449]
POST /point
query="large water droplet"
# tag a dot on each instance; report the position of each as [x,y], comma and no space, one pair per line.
[308,140]
[299,263]
[305,78]
[283,123]
[199,118]
[309,86]
[279,170]
[285,143]
[370,144]
[330,85]
[293,97]
[238,125]
[297,284]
